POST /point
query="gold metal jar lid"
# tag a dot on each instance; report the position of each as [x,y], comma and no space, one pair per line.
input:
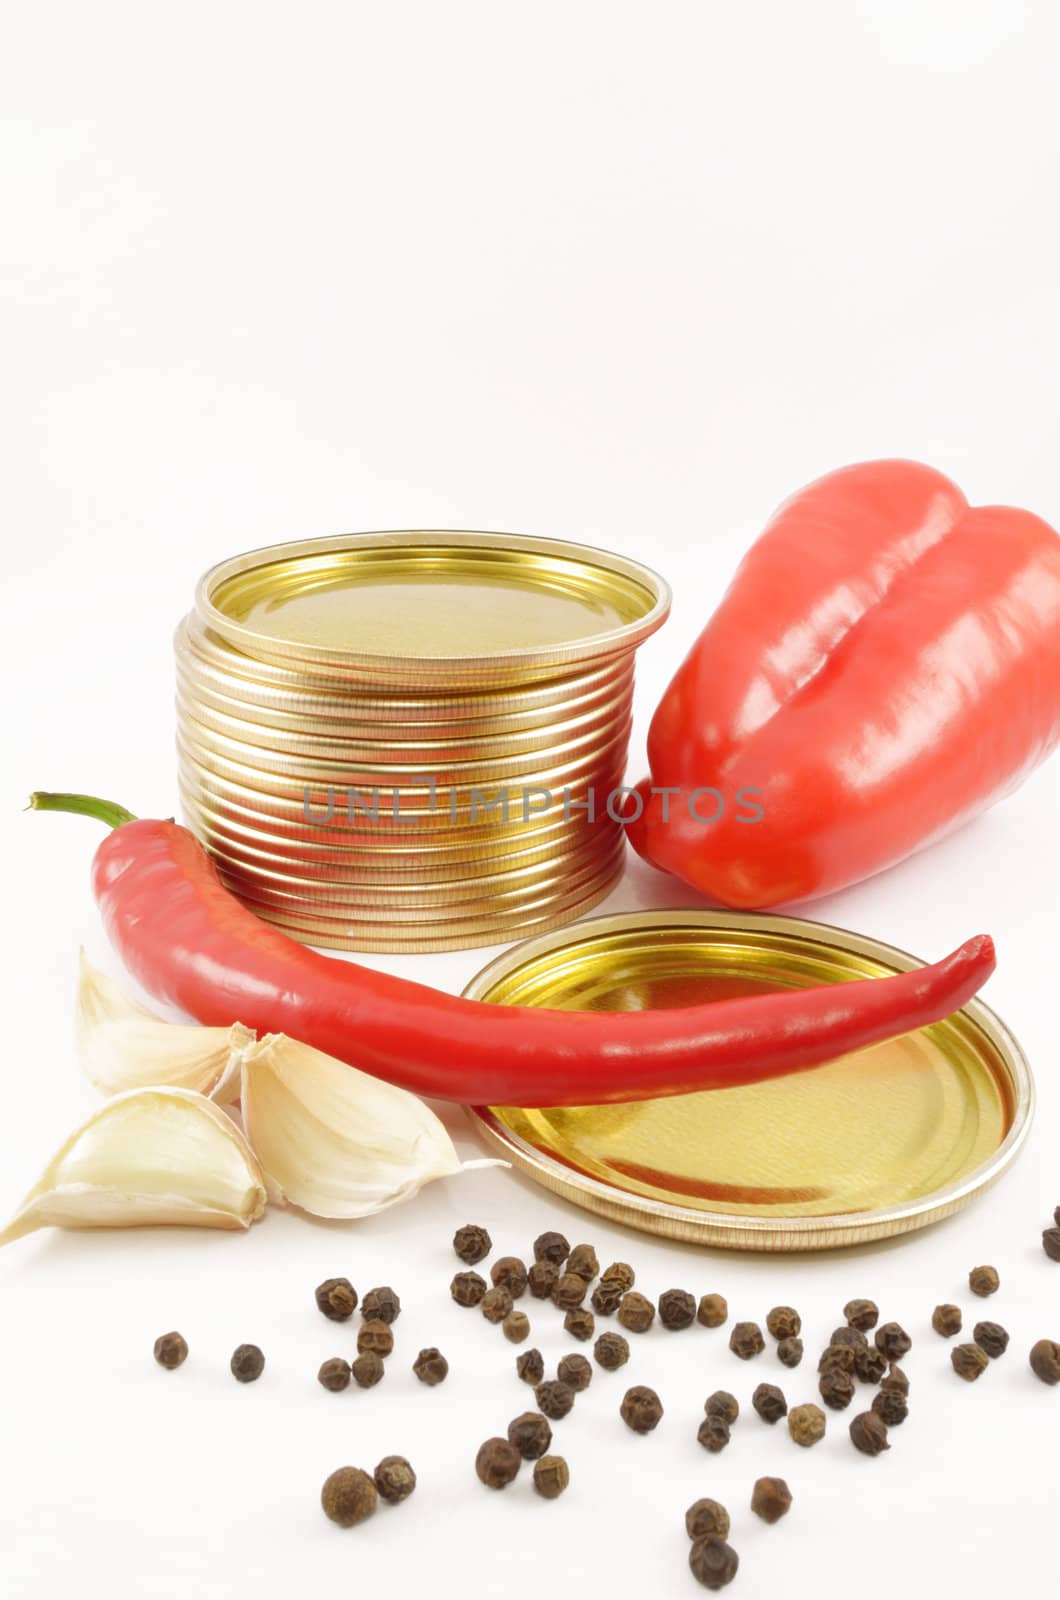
[425,745]
[436,809]
[439,607]
[214,666]
[387,898]
[872,1145]
[401,766]
[422,937]
[403,850]
[358,716]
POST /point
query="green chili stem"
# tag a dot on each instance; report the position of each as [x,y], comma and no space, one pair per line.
[86,805]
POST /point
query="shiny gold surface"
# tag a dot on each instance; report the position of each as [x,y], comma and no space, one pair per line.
[440,605]
[401,602]
[873,1144]
[397,684]
[425,744]
[329,693]
[421,937]
[459,880]
[388,899]
[448,807]
[379,765]
[298,843]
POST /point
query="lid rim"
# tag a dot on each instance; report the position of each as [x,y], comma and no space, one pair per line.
[619,640]
[735,1229]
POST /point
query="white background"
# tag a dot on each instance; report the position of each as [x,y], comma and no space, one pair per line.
[624,273]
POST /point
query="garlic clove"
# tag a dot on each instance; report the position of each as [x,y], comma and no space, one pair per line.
[122,1045]
[334,1141]
[161,1155]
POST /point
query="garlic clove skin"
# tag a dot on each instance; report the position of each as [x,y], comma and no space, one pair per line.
[121,1045]
[336,1142]
[148,1156]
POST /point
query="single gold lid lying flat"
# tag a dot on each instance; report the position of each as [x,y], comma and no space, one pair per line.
[874,1144]
[439,606]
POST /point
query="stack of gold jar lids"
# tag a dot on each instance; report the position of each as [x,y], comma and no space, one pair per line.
[409,741]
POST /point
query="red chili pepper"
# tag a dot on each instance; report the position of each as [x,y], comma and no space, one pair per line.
[884,665]
[191,943]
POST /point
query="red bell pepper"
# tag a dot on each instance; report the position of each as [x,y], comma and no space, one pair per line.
[885,664]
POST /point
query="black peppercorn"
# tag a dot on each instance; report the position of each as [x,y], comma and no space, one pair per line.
[375,1336]
[551,1247]
[636,1312]
[714,1434]
[368,1369]
[868,1433]
[606,1298]
[968,1361]
[789,1352]
[722,1404]
[895,1379]
[580,1323]
[836,1388]
[784,1322]
[991,1337]
[394,1479]
[497,1463]
[510,1273]
[621,1274]
[555,1398]
[770,1499]
[530,1434]
[852,1337]
[551,1477]
[1051,1243]
[947,1321]
[862,1314]
[467,1289]
[569,1291]
[431,1367]
[1045,1361]
[677,1309]
[348,1496]
[641,1409]
[836,1358]
[472,1244]
[713,1310]
[984,1280]
[746,1340]
[381,1305]
[769,1402]
[496,1303]
[893,1340]
[335,1375]
[576,1372]
[891,1407]
[530,1366]
[583,1263]
[247,1363]
[870,1364]
[611,1351]
[171,1351]
[542,1278]
[337,1299]
[806,1424]
[516,1327]
[706,1516]
[713,1562]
